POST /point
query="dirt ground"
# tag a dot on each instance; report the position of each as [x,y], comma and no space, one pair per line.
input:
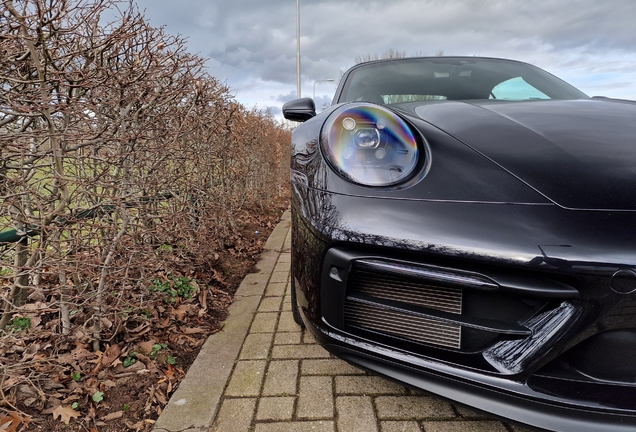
[53,383]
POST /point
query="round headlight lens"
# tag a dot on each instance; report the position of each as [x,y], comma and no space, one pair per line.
[367,138]
[369,145]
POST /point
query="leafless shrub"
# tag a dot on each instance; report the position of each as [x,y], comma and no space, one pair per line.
[114,143]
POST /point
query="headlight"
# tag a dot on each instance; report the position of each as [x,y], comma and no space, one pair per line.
[369,145]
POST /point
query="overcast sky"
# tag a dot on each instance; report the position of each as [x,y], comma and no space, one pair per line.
[251,44]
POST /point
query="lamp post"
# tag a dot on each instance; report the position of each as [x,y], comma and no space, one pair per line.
[323,80]
[298,48]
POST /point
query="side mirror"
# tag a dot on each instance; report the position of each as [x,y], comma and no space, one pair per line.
[299,110]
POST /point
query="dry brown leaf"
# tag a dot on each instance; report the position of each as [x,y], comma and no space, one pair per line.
[65,413]
[11,421]
[137,426]
[71,398]
[144,359]
[163,323]
[146,346]
[112,416]
[140,328]
[80,353]
[106,323]
[37,306]
[97,360]
[181,312]
[9,383]
[169,372]
[35,321]
[195,285]
[194,330]
[110,355]
[79,335]
[133,368]
[203,301]
[160,397]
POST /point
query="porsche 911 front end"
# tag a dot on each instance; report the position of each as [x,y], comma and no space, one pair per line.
[472,246]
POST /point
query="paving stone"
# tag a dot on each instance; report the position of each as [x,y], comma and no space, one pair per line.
[516,428]
[308,338]
[315,398]
[467,412]
[412,407]
[464,426]
[286,322]
[284,257]
[287,306]
[275,289]
[256,346]
[279,277]
[400,426]
[299,352]
[355,414]
[281,378]
[290,338]
[267,261]
[270,304]
[329,367]
[366,385]
[306,426]
[264,322]
[278,236]
[235,415]
[253,285]
[247,378]
[275,408]
[283,267]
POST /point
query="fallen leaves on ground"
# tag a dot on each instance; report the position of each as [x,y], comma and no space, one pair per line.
[52,379]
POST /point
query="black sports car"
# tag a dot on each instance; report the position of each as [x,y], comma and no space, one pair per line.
[467,226]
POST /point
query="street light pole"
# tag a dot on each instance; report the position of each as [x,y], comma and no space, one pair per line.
[323,80]
[298,48]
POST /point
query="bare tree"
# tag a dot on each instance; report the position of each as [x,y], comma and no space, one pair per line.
[389,54]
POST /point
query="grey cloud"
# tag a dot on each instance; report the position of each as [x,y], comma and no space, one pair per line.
[251,41]
[286,97]
[274,110]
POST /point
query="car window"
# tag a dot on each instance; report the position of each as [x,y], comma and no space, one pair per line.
[516,89]
[400,98]
[452,78]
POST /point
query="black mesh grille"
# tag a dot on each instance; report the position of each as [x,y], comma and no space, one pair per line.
[402,324]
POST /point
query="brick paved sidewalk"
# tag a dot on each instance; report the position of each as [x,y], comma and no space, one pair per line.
[282,381]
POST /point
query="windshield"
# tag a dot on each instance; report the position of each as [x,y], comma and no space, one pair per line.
[441,78]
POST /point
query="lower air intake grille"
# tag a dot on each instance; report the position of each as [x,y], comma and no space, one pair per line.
[391,321]
[401,325]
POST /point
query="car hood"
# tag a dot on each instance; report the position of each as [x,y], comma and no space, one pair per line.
[580,154]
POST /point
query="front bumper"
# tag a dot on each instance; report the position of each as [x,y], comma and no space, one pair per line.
[556,314]
[509,400]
